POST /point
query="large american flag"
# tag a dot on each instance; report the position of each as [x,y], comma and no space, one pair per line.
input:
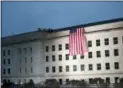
[77,42]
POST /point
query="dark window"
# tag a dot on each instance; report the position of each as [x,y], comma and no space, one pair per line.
[98,54]
[89,54]
[115,40]
[116,53]
[9,62]
[107,66]
[30,49]
[8,52]
[107,80]
[31,59]
[107,53]
[60,81]
[98,66]
[53,69]
[98,42]
[31,70]
[89,43]
[47,69]
[25,60]
[116,65]
[4,53]
[90,80]
[60,57]
[60,68]
[53,47]
[9,71]
[74,57]
[66,46]
[67,57]
[4,61]
[116,79]
[47,48]
[25,50]
[106,41]
[25,70]
[60,47]
[82,56]
[47,58]
[90,67]
[4,71]
[74,68]
[67,68]
[53,58]
[82,67]
[67,80]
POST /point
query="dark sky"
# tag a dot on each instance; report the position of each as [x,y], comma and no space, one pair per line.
[20,17]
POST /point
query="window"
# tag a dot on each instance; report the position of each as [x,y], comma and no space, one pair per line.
[106,41]
[47,58]
[60,47]
[90,80]
[116,53]
[116,79]
[30,49]
[25,70]
[115,40]
[9,71]
[25,60]
[82,67]
[60,68]
[98,54]
[8,52]
[107,80]
[107,53]
[89,43]
[67,57]
[107,66]
[98,66]
[25,50]
[74,68]
[20,70]
[90,67]
[4,71]
[98,42]
[74,57]
[31,70]
[67,68]
[60,81]
[116,65]
[20,60]
[60,57]
[31,60]
[4,61]
[89,54]
[47,69]
[82,56]
[53,69]
[4,53]
[53,47]
[9,62]
[19,50]
[53,58]
[47,48]
[66,46]
[67,80]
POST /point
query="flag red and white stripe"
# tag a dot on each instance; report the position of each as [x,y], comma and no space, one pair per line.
[77,42]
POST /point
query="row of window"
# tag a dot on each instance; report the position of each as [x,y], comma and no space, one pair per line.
[107,79]
[90,55]
[26,71]
[6,61]
[25,50]
[82,67]
[26,60]
[6,52]
[6,71]
[98,43]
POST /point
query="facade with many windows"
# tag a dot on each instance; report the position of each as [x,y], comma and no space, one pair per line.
[42,55]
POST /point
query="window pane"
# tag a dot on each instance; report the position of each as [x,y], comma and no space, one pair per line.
[89,54]
[115,40]
[98,42]
[106,41]
[66,46]
[116,53]
[89,43]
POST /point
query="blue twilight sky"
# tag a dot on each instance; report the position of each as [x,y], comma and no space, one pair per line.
[20,17]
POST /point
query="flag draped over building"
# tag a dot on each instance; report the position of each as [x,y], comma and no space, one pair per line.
[77,42]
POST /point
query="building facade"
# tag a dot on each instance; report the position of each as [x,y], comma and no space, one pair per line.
[42,55]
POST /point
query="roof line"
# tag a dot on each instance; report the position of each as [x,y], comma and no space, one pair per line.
[89,24]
